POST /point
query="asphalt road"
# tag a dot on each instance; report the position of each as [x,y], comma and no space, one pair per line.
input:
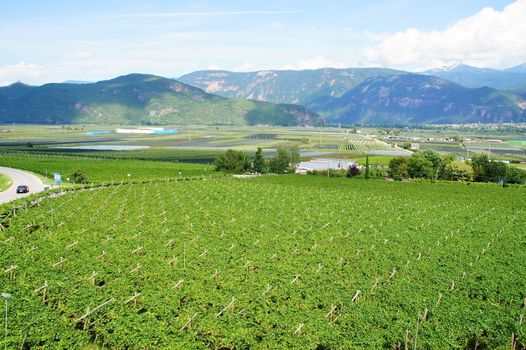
[20,177]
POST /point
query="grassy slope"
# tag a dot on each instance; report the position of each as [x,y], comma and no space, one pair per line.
[5,182]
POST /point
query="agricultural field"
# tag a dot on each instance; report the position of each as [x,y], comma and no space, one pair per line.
[273,262]
[98,170]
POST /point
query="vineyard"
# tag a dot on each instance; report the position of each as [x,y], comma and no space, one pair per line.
[268,263]
[99,170]
[364,144]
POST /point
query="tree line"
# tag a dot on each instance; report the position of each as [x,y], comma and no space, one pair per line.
[430,165]
[239,162]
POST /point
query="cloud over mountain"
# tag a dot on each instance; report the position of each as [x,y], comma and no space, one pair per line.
[490,38]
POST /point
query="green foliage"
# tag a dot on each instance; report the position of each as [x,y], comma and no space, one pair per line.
[78,177]
[515,176]
[491,171]
[457,170]
[367,170]
[103,170]
[398,168]
[5,182]
[233,162]
[280,163]
[435,160]
[294,155]
[259,164]
[353,171]
[401,244]
[406,145]
[420,166]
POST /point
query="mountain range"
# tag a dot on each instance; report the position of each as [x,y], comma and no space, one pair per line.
[283,86]
[140,99]
[417,98]
[468,76]
[274,97]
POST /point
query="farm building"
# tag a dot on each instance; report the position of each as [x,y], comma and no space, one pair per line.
[322,164]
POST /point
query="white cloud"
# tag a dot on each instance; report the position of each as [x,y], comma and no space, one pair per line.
[20,72]
[315,63]
[489,38]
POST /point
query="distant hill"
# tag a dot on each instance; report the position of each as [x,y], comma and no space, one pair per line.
[507,79]
[140,99]
[77,82]
[283,86]
[415,98]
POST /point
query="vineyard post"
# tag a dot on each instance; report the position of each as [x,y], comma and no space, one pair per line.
[6,296]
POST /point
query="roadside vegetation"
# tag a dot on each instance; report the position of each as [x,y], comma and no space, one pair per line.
[5,182]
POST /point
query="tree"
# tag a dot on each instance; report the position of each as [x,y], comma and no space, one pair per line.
[398,168]
[457,170]
[353,171]
[515,176]
[419,166]
[232,162]
[367,171]
[442,170]
[294,155]
[486,170]
[480,164]
[280,163]
[406,145]
[435,159]
[78,177]
[259,165]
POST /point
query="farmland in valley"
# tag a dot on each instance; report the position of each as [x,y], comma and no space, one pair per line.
[273,262]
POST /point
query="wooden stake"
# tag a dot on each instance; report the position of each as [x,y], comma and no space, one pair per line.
[295,279]
[424,317]
[356,295]
[10,271]
[136,269]
[133,298]
[188,323]
[173,261]
[94,309]
[92,277]
[298,330]
[269,287]
[226,307]
[178,284]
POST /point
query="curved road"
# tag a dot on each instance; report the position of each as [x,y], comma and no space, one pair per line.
[19,177]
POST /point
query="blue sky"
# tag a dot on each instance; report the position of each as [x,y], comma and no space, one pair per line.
[52,41]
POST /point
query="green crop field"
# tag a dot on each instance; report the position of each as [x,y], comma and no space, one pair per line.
[99,170]
[269,263]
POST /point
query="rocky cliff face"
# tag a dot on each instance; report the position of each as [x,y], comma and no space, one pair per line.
[283,86]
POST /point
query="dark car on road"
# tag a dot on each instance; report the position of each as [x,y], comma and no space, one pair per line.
[22,189]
